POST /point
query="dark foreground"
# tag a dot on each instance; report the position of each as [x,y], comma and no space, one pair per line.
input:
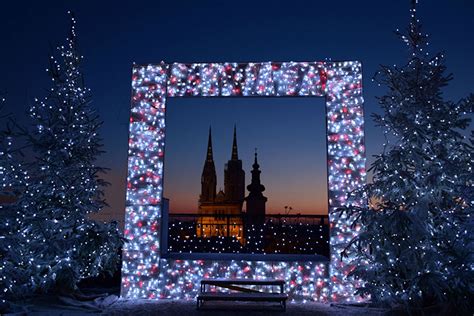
[112,305]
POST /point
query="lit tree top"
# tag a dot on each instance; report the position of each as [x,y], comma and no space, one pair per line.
[65,244]
[412,246]
[66,138]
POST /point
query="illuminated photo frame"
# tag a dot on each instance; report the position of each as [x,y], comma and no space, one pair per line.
[145,274]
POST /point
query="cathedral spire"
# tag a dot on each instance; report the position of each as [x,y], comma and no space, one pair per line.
[208,178]
[235,155]
[255,163]
[209,147]
[234,175]
[256,187]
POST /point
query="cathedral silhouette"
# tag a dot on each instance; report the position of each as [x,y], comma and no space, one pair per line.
[222,211]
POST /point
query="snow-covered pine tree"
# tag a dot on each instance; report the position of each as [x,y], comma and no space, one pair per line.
[415,244]
[14,181]
[66,187]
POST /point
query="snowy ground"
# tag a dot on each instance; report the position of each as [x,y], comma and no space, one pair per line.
[167,307]
[112,305]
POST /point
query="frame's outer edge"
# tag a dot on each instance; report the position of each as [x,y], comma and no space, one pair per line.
[144,274]
[346,165]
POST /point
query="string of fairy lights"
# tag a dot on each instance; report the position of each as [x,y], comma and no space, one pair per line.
[271,237]
[144,273]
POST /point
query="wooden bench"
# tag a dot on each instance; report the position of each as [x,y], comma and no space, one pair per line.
[243,293]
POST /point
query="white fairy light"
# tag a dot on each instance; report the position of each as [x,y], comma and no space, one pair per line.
[144,273]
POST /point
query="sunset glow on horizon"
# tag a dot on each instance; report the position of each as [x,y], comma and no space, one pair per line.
[290,137]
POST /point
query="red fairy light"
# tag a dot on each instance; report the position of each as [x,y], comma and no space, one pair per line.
[152,84]
[153,200]
[323,78]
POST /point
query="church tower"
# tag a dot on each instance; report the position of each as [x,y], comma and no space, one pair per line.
[208,178]
[255,200]
[234,176]
[218,209]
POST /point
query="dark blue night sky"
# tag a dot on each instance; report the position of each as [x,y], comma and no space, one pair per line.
[113,35]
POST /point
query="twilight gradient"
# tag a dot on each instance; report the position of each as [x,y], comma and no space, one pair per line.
[290,134]
[114,35]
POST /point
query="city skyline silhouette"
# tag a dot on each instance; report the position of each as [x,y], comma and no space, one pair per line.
[293,165]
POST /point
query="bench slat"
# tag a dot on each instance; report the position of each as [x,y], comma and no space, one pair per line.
[242,297]
[238,288]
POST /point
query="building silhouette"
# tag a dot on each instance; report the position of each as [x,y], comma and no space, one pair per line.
[255,200]
[225,207]
[230,222]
